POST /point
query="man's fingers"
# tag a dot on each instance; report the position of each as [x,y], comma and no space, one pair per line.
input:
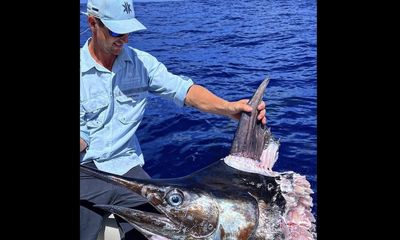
[244,100]
[264,121]
[261,106]
[247,108]
[243,106]
[261,114]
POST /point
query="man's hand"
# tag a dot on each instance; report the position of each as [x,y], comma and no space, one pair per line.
[204,100]
[83,145]
[236,109]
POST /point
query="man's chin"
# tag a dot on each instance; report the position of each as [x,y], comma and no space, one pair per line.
[116,49]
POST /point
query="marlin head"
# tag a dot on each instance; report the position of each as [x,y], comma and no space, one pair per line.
[185,211]
[200,206]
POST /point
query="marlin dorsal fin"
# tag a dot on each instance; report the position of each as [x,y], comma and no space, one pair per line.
[253,149]
[250,135]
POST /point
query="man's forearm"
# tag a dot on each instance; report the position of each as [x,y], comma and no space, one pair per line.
[83,145]
[204,100]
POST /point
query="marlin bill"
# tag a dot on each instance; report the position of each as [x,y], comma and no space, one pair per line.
[237,197]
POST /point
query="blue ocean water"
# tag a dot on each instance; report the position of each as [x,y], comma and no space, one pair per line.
[229,47]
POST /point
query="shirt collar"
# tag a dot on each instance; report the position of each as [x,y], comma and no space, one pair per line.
[87,61]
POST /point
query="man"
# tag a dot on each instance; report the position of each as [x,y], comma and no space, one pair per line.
[115,80]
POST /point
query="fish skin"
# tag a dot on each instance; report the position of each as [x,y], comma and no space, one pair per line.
[237,197]
[218,200]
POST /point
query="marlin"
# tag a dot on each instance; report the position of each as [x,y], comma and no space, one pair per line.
[237,197]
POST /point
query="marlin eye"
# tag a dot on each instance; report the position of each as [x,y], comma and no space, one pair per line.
[175,198]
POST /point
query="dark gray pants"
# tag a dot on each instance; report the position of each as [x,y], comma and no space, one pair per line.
[95,191]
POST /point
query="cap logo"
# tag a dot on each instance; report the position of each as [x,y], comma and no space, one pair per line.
[127,7]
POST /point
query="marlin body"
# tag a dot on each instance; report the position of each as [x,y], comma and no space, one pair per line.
[237,197]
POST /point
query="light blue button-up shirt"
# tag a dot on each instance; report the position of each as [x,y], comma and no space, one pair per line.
[112,104]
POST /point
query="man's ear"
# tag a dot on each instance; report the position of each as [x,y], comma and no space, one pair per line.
[91,22]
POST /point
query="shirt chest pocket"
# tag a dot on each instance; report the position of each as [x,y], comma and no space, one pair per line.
[129,107]
[95,109]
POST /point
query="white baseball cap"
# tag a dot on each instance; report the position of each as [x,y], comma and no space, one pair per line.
[117,15]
